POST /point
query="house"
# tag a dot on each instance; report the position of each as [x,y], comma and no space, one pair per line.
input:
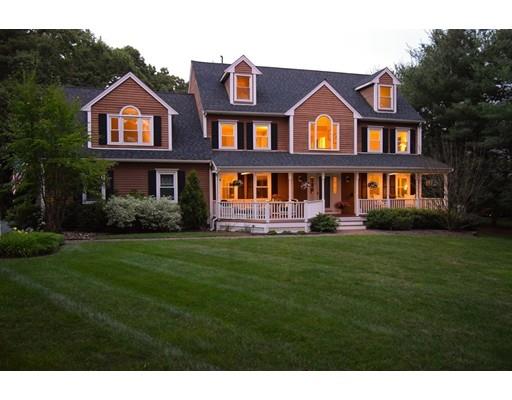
[272,146]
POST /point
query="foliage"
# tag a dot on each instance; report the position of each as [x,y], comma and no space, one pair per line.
[86,217]
[461,84]
[457,220]
[29,244]
[323,223]
[44,144]
[136,214]
[193,206]
[406,218]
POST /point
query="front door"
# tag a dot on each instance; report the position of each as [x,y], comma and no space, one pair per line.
[347,193]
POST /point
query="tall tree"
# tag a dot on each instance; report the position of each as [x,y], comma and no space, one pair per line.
[45,149]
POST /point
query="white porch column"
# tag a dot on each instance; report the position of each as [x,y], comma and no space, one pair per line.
[356,194]
[323,191]
[290,186]
[217,196]
[445,178]
[417,177]
[387,190]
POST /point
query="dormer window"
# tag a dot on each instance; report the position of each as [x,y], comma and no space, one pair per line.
[130,127]
[385,97]
[243,84]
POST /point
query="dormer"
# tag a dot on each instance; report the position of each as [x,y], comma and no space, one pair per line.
[239,79]
[380,91]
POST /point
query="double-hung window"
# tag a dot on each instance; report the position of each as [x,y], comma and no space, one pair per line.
[228,135]
[130,127]
[374,140]
[243,87]
[402,141]
[385,97]
[167,185]
[323,134]
[262,186]
[261,136]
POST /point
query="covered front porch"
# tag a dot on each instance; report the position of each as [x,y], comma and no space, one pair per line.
[293,197]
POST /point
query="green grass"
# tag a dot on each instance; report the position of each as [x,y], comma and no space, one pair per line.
[342,302]
[163,235]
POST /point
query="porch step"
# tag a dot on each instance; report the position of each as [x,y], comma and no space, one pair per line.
[351,223]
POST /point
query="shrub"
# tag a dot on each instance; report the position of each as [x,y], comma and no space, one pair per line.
[323,223]
[86,217]
[142,214]
[29,244]
[193,206]
[406,218]
[456,220]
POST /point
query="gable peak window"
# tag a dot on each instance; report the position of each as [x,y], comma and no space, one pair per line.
[130,127]
[323,133]
[243,87]
[385,97]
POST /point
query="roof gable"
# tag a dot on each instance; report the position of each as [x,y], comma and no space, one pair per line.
[242,58]
[119,82]
[376,77]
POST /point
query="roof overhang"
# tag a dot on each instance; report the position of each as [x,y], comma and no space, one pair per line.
[375,80]
[119,82]
[331,168]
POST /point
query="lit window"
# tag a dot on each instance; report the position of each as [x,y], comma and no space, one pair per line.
[334,184]
[243,87]
[228,187]
[130,127]
[323,134]
[374,186]
[385,97]
[166,185]
[402,140]
[227,135]
[262,136]
[262,186]
[375,140]
[403,185]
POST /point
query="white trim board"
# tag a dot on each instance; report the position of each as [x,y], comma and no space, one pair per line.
[376,79]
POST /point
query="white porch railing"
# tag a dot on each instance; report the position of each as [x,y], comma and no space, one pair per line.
[367,205]
[268,211]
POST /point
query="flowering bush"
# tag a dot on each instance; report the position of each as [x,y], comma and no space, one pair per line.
[142,214]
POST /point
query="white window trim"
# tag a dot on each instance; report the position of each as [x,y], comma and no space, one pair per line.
[408,178]
[269,127]
[121,127]
[174,172]
[393,97]
[380,129]
[251,94]
[408,130]
[235,132]
[269,185]
[103,192]
[235,188]
[334,126]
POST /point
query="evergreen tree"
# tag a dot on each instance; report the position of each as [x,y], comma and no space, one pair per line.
[193,206]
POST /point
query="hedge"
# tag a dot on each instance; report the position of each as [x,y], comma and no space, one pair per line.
[406,218]
[29,244]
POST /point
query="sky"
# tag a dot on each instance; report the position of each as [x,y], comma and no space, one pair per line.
[345,51]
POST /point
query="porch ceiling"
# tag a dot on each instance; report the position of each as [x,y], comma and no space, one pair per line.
[265,160]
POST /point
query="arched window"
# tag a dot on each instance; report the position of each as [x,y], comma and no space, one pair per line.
[130,127]
[323,133]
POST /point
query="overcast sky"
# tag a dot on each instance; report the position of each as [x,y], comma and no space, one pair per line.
[345,51]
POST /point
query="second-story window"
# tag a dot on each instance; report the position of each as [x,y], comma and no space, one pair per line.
[228,135]
[323,134]
[385,97]
[374,140]
[402,141]
[130,127]
[261,136]
[243,87]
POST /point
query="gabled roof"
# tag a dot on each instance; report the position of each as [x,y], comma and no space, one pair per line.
[279,89]
[129,75]
[232,67]
[188,142]
[372,79]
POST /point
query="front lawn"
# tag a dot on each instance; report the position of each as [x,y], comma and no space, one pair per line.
[330,302]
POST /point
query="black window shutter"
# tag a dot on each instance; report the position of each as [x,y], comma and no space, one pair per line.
[249,136]
[413,141]
[392,186]
[273,136]
[152,183]
[102,128]
[384,186]
[364,139]
[413,185]
[215,134]
[157,130]
[275,184]
[392,140]
[181,183]
[363,185]
[385,140]
[240,135]
[110,183]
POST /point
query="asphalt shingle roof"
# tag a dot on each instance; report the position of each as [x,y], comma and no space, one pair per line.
[263,159]
[187,140]
[281,88]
